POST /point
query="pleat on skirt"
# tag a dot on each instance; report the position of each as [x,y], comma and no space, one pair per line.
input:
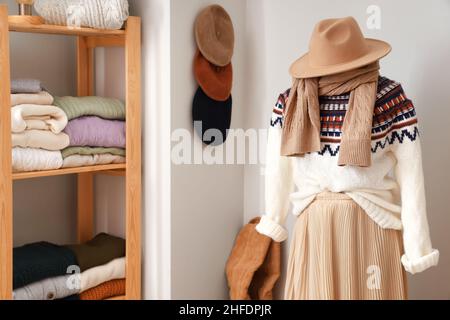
[339,253]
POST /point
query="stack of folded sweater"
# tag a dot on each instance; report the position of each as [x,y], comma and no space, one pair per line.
[37,128]
[91,271]
[96,130]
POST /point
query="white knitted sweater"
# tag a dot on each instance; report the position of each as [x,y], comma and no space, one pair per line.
[391,191]
[99,14]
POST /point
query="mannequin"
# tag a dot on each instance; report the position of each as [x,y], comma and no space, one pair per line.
[334,138]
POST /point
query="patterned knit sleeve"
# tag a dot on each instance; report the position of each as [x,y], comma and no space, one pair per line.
[278,179]
[405,144]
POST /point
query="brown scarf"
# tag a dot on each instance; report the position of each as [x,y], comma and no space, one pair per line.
[301,127]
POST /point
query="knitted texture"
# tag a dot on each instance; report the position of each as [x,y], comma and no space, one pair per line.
[41,98]
[301,132]
[98,251]
[393,201]
[99,14]
[92,131]
[104,291]
[48,289]
[105,108]
[33,159]
[88,151]
[38,261]
[26,86]
[93,277]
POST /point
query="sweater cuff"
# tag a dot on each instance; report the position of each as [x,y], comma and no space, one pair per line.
[421,264]
[355,153]
[272,229]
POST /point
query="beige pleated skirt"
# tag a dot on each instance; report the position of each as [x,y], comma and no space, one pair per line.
[339,253]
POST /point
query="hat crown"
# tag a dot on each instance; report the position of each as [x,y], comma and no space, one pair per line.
[336,41]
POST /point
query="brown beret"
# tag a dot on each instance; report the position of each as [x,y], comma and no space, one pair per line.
[214,34]
[215,81]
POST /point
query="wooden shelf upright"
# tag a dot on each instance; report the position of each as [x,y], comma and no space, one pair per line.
[87,40]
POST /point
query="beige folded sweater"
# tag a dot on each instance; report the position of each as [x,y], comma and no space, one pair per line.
[40,117]
[41,98]
[40,139]
[93,277]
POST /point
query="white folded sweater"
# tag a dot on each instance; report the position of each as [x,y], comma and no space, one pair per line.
[394,201]
[93,277]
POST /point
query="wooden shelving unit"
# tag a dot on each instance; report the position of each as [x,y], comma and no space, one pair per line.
[87,40]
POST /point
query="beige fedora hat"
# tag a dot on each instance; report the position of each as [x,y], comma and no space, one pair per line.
[337,45]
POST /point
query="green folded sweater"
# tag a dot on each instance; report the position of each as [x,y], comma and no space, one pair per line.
[87,151]
[98,251]
[106,108]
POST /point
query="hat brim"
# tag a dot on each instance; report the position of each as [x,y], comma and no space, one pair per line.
[215,81]
[302,68]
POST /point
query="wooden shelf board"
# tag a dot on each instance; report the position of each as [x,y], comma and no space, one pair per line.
[62,30]
[59,172]
[117,298]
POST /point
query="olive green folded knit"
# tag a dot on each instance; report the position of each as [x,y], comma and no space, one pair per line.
[105,108]
[98,251]
[87,151]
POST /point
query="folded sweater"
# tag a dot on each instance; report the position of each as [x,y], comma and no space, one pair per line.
[93,277]
[48,289]
[106,108]
[87,151]
[38,261]
[91,160]
[31,159]
[98,251]
[104,291]
[41,98]
[26,86]
[96,132]
[40,139]
[40,117]
[98,14]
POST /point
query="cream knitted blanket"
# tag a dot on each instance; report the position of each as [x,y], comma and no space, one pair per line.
[39,117]
[40,139]
[100,14]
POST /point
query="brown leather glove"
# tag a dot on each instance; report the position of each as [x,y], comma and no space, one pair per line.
[254,263]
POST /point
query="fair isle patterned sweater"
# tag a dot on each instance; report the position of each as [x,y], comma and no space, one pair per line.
[391,191]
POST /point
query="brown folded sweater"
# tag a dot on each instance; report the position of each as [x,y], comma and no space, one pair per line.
[98,251]
[105,290]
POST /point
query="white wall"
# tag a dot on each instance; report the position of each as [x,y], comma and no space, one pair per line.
[156,117]
[419,34]
[207,201]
